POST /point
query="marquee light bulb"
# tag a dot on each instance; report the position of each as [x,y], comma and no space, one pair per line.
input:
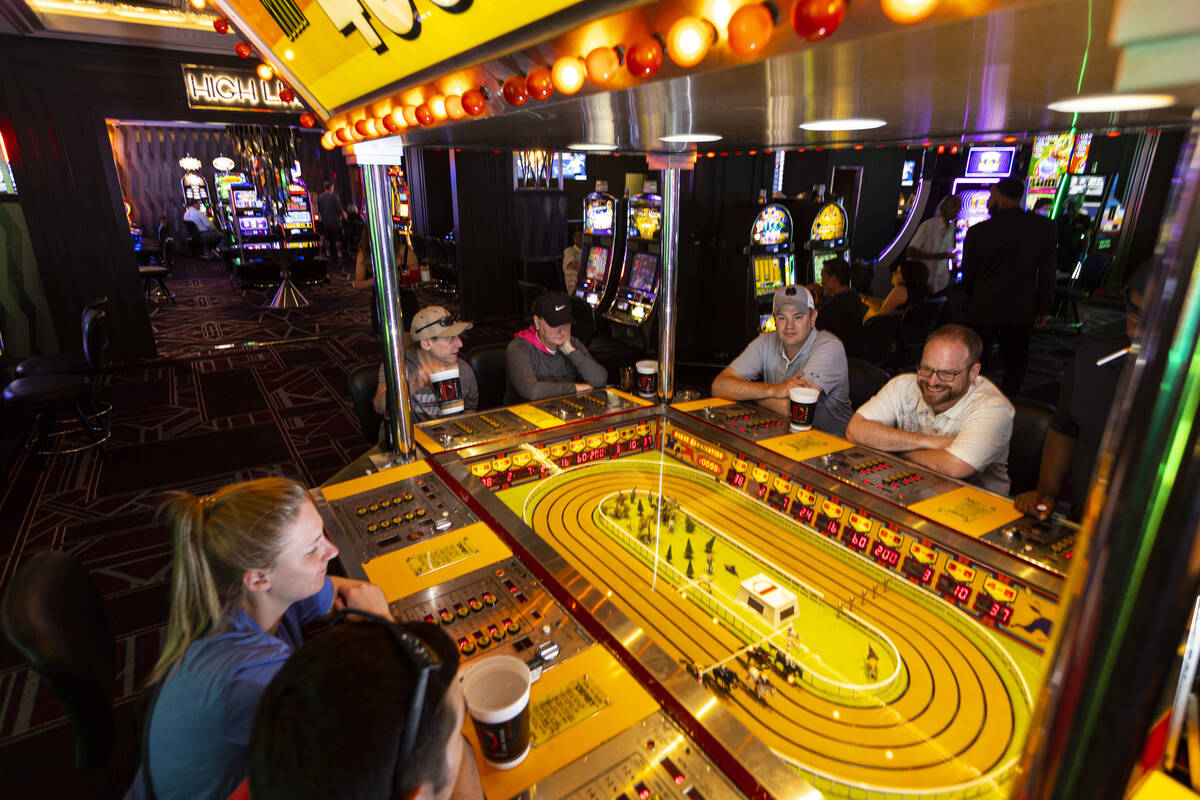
[397,118]
[750,29]
[568,74]
[198,4]
[906,12]
[410,115]
[602,65]
[437,104]
[388,123]
[265,71]
[688,40]
[454,107]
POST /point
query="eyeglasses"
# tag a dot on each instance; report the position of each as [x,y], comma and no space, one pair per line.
[945,375]
[419,656]
[445,322]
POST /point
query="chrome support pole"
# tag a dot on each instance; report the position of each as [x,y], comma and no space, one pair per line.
[383,257]
[670,258]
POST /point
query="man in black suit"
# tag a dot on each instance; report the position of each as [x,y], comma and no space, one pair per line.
[1008,274]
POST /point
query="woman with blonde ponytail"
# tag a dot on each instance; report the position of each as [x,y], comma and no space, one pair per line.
[249,570]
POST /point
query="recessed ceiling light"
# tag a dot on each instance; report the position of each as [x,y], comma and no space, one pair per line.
[591,146]
[684,138]
[1101,103]
[850,124]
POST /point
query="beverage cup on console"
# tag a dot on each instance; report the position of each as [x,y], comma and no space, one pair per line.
[647,379]
[803,407]
[626,382]
[497,694]
[447,388]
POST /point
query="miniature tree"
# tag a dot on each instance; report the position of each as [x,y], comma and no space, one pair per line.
[691,573]
[708,546]
[689,525]
[687,551]
[641,508]
[669,556]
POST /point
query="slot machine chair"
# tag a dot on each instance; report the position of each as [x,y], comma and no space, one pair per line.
[491,372]
[879,338]
[363,381]
[53,616]
[610,352]
[916,323]
[529,292]
[1072,291]
[195,245]
[865,380]
[1031,421]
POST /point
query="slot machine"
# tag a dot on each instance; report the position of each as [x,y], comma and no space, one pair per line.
[252,228]
[195,189]
[600,234]
[222,183]
[299,230]
[641,269]
[401,210]
[825,226]
[772,260]
[985,166]
[1094,193]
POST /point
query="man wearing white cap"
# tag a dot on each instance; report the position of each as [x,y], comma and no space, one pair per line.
[435,335]
[794,354]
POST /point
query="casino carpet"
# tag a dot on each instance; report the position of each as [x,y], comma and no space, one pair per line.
[209,411]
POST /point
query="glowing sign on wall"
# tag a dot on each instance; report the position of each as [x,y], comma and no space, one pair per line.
[223,88]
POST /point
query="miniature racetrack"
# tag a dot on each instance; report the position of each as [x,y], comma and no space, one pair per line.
[955,721]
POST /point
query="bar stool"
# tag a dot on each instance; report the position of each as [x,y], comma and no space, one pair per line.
[149,274]
[46,396]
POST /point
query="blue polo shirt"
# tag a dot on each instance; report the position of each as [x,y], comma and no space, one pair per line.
[201,724]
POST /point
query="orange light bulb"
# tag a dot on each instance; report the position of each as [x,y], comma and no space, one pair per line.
[750,29]
[454,107]
[397,118]
[568,74]
[688,40]
[906,12]
[437,104]
[602,65]
[410,115]
[265,71]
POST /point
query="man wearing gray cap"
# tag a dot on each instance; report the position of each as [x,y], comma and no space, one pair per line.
[794,354]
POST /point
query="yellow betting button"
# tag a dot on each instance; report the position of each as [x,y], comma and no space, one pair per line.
[420,512]
[513,626]
[446,616]
[462,611]
[498,635]
[467,647]
[483,642]
[475,604]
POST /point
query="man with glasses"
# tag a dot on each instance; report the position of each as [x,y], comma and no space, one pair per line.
[435,335]
[370,708]
[545,360]
[794,354]
[945,417]
[1089,387]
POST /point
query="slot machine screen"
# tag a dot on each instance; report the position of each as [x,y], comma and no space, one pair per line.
[245,198]
[768,275]
[830,224]
[1083,144]
[598,218]
[1089,189]
[773,226]
[297,219]
[908,173]
[402,210]
[644,274]
[990,162]
[646,220]
[253,224]
[597,263]
[574,166]
[1047,165]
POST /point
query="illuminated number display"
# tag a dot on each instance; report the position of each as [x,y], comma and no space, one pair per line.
[855,540]
[736,479]
[827,525]
[988,607]
[512,477]
[804,514]
[920,572]
[885,555]
[959,592]
[762,491]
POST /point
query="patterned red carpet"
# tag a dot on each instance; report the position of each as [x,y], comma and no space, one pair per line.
[202,418]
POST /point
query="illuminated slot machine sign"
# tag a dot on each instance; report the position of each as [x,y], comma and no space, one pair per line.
[1049,162]
[598,216]
[974,209]
[827,236]
[401,215]
[645,219]
[505,470]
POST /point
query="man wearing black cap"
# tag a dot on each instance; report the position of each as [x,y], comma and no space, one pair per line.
[1008,275]
[545,360]
[794,354]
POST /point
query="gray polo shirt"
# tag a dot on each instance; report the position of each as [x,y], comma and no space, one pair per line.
[821,360]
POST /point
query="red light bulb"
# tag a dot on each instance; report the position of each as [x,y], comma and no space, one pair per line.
[514,91]
[817,19]
[307,119]
[644,58]
[539,83]
[424,115]
[242,49]
[474,102]
[287,95]
[602,65]
[221,25]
